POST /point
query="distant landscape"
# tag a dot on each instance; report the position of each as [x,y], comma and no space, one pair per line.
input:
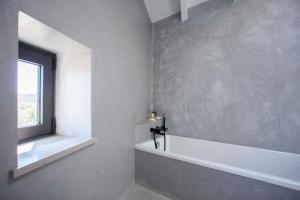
[27,110]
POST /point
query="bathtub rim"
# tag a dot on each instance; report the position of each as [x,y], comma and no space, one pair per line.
[276,180]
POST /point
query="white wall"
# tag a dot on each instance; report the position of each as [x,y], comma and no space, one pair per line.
[73,94]
[119,34]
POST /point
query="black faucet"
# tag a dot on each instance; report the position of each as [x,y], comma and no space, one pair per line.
[160,131]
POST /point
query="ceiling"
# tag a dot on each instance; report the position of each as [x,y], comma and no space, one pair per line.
[161,9]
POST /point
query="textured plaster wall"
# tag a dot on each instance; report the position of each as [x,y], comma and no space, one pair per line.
[119,34]
[231,73]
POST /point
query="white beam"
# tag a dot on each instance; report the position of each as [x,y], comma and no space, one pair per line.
[184,9]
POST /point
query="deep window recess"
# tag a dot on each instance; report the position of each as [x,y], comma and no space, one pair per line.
[36,78]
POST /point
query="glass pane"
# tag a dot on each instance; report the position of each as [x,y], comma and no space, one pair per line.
[28,94]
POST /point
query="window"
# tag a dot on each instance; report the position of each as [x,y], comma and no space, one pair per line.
[36,77]
[29,85]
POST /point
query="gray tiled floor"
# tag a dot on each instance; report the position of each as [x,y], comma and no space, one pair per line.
[141,193]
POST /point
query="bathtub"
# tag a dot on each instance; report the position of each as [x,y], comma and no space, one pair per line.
[265,166]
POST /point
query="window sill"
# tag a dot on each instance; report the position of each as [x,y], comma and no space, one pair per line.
[36,154]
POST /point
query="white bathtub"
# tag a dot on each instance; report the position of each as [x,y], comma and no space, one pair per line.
[274,167]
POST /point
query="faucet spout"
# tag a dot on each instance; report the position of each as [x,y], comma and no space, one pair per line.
[160,131]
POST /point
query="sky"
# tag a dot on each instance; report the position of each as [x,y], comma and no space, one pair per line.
[27,78]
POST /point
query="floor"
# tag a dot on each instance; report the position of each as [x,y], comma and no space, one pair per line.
[138,192]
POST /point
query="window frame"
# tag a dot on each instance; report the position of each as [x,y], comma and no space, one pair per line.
[47,62]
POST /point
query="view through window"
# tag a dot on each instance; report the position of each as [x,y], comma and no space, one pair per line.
[28,94]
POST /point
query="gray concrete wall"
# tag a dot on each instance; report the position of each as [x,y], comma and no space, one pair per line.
[119,34]
[231,73]
[186,181]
